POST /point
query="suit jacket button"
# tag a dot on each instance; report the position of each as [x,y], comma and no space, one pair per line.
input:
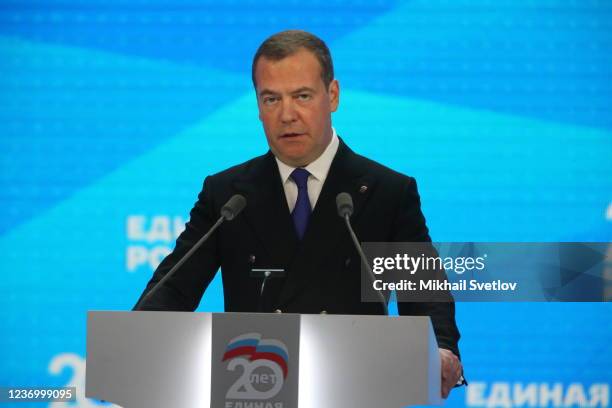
[252,259]
[278,311]
[347,261]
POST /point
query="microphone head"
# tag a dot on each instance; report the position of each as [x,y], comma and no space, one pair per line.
[344,204]
[233,207]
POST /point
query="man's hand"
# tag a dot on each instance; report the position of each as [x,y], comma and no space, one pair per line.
[451,371]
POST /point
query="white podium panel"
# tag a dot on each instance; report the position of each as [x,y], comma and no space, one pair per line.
[165,359]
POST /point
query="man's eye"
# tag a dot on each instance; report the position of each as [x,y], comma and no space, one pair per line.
[269,100]
[304,97]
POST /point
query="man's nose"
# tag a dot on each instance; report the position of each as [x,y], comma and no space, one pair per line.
[288,112]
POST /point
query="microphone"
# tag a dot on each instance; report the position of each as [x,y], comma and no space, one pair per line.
[229,211]
[233,207]
[344,204]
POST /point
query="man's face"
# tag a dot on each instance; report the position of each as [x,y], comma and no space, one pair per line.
[295,107]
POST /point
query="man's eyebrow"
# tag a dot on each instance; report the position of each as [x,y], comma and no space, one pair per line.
[267,92]
[303,89]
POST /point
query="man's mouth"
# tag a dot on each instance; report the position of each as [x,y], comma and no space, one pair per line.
[290,135]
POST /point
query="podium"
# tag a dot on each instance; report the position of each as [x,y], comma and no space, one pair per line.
[249,360]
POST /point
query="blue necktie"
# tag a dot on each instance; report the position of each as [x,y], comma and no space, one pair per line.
[301,211]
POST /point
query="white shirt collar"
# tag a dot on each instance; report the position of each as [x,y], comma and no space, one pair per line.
[318,168]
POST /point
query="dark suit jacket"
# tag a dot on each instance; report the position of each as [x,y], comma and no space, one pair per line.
[323,270]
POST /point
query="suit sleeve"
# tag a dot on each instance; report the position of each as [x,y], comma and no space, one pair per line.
[183,291]
[411,227]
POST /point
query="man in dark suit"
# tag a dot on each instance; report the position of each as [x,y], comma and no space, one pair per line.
[290,222]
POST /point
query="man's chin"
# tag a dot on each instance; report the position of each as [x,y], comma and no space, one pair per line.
[294,160]
[296,157]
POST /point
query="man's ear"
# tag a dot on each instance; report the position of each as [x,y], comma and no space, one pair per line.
[258,107]
[334,94]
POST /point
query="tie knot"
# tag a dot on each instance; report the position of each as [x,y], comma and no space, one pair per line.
[300,176]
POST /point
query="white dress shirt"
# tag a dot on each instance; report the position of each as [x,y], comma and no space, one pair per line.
[318,170]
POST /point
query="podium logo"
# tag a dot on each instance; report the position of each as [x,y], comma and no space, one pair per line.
[264,367]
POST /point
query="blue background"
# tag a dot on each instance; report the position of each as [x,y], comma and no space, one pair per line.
[113,109]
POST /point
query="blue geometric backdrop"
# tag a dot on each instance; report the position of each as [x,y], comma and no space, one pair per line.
[113,112]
